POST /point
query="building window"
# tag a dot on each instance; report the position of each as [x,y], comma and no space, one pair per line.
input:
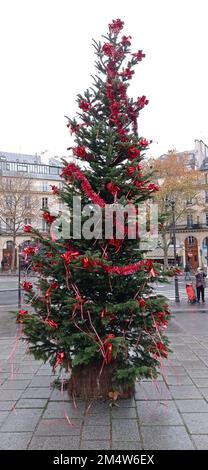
[54,170]
[206,178]
[21,167]
[189,220]
[44,185]
[27,202]
[191,241]
[8,184]
[44,226]
[9,245]
[9,224]
[61,204]
[8,202]
[189,200]
[206,196]
[27,222]
[44,202]
[206,215]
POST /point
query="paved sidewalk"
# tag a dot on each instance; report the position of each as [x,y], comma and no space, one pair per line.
[169,414]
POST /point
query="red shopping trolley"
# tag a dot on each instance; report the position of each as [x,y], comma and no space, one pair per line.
[191,293]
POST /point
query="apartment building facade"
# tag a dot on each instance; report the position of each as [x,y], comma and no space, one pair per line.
[19,167]
[192,228]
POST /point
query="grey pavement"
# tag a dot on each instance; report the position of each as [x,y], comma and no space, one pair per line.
[170,413]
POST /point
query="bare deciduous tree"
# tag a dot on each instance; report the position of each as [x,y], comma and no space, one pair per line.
[18,202]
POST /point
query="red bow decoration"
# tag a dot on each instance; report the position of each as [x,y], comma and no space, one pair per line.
[141,302]
[113,188]
[23,312]
[37,267]
[48,217]
[69,255]
[54,189]
[27,228]
[28,251]
[27,286]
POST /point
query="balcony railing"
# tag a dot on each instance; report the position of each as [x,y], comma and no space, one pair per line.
[191,226]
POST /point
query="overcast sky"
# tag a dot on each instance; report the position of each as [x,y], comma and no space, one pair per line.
[46,58]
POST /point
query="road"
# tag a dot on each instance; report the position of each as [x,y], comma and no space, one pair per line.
[184,313]
[9,290]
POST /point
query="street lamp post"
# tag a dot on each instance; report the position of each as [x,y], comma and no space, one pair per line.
[19,279]
[207,253]
[171,203]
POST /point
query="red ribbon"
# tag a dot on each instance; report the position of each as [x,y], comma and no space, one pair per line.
[108,351]
[59,359]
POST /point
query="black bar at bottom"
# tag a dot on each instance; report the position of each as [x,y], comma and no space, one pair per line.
[84,459]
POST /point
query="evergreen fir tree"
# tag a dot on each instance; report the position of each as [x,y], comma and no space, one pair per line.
[95,312]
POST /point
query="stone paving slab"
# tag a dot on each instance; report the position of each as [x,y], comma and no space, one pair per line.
[166,438]
[157,413]
[54,443]
[197,423]
[171,413]
[58,427]
[200,441]
[21,420]
[15,440]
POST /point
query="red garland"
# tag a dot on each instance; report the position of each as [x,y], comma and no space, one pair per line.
[72,170]
[124,270]
[120,270]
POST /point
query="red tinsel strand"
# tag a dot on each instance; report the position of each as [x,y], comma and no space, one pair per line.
[73,170]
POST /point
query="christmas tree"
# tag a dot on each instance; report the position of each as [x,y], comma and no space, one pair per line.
[95,311]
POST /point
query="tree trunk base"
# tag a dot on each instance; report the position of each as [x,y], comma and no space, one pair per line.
[86,382]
